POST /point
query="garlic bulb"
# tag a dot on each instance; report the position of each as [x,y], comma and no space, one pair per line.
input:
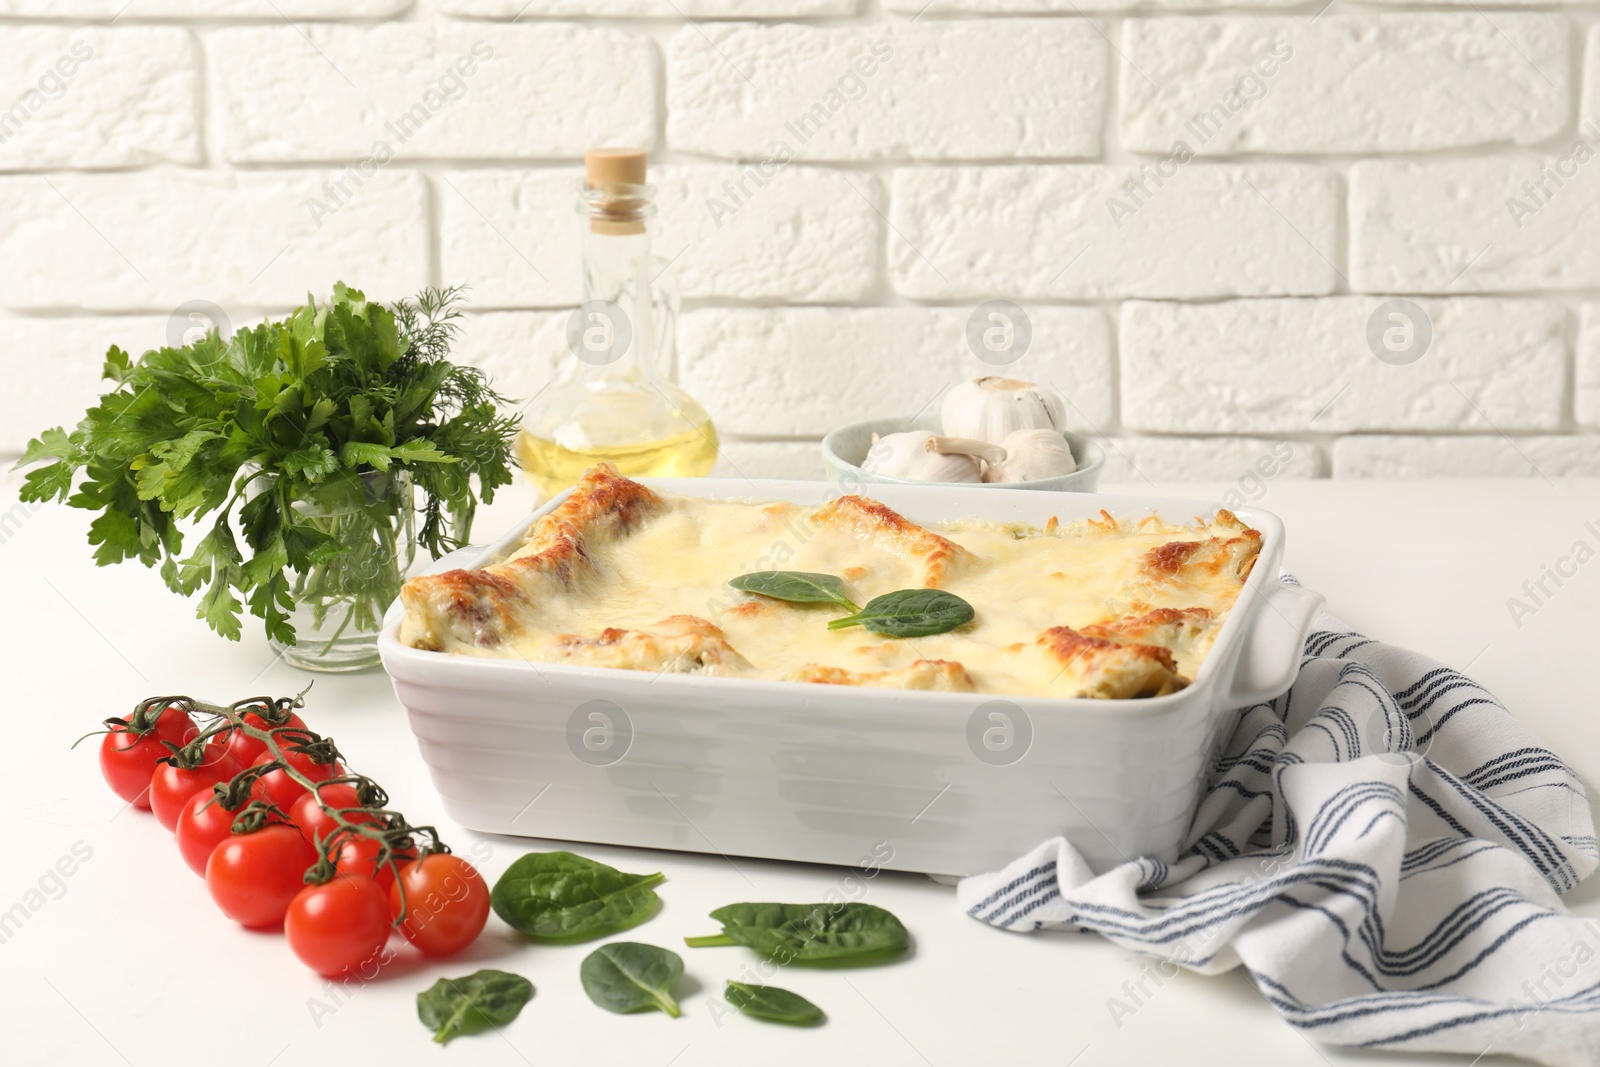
[1031,455]
[916,456]
[988,409]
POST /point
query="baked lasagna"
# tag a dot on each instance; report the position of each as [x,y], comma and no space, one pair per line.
[622,576]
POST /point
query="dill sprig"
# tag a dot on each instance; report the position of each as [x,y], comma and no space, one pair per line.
[275,430]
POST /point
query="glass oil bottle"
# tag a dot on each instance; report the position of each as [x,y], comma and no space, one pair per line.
[609,401]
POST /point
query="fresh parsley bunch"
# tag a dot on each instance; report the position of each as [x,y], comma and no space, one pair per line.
[286,413]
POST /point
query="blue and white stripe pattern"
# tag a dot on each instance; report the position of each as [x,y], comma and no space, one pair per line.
[1384,847]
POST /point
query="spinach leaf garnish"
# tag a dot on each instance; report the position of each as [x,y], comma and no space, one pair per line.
[773,1004]
[455,1006]
[910,613]
[626,976]
[799,587]
[809,933]
[565,897]
[902,613]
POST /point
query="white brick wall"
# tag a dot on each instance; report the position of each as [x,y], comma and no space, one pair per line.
[1283,366]
[1505,223]
[201,9]
[1212,296]
[1588,377]
[662,9]
[155,240]
[519,349]
[1098,231]
[1465,457]
[453,91]
[807,235]
[1252,461]
[1344,83]
[51,367]
[934,90]
[87,97]
[769,459]
[1059,7]
[786,371]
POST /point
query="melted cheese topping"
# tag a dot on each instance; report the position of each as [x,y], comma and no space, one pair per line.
[1107,607]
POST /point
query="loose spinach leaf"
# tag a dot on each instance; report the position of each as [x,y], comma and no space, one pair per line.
[455,1006]
[809,933]
[799,587]
[910,613]
[773,1004]
[626,976]
[564,897]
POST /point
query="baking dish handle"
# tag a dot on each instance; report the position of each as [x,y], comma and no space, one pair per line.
[1273,647]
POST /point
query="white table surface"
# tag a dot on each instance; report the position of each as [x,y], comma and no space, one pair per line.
[133,965]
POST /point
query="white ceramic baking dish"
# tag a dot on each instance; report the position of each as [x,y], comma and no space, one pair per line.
[942,783]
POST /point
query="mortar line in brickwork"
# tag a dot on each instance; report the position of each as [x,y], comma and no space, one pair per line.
[1112,150]
[202,103]
[432,195]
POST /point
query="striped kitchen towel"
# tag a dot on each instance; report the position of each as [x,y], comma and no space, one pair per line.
[1384,847]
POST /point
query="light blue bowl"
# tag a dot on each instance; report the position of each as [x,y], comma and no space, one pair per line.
[845,448]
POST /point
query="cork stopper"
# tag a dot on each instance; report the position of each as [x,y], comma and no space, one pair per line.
[617,170]
[614,166]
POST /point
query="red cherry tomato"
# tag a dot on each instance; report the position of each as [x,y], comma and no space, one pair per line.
[171,786]
[202,826]
[339,926]
[253,877]
[446,903]
[282,790]
[317,824]
[127,760]
[358,857]
[241,746]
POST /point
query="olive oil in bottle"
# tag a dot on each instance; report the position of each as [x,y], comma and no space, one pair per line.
[609,401]
[554,467]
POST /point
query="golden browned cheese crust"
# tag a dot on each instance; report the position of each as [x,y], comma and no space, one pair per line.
[936,674]
[1099,667]
[618,576]
[484,608]
[682,644]
[1162,626]
[883,527]
[1186,561]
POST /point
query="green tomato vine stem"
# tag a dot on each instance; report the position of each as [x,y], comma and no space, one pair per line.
[397,839]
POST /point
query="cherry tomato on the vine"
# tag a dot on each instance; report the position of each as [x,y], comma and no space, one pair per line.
[446,905]
[358,857]
[253,877]
[317,824]
[283,790]
[128,761]
[241,746]
[202,826]
[171,786]
[338,926]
